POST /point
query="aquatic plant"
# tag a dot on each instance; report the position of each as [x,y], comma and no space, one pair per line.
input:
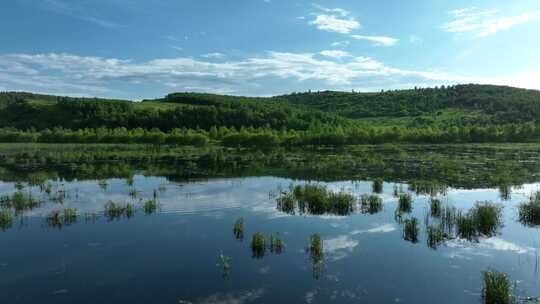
[115,210]
[432,188]
[315,249]
[498,288]
[505,192]
[435,236]
[411,230]
[377,185]
[529,212]
[19,185]
[315,199]
[238,229]
[21,201]
[133,193]
[405,203]
[63,217]
[130,180]
[435,207]
[286,202]
[258,245]
[276,244]
[150,206]
[487,217]
[340,203]
[465,226]
[370,203]
[225,262]
[6,219]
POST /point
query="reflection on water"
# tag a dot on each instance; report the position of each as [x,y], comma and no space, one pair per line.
[150,239]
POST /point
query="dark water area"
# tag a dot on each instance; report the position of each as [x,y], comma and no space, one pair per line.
[185,251]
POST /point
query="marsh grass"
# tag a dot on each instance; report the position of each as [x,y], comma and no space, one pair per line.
[377,185]
[435,207]
[22,202]
[61,218]
[483,219]
[404,203]
[114,211]
[436,236]
[529,212]
[316,253]
[315,199]
[150,206]
[258,245]
[370,204]
[6,219]
[411,230]
[238,229]
[498,288]
[225,262]
[276,244]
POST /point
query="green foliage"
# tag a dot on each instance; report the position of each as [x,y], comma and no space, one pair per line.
[435,207]
[316,253]
[276,244]
[435,236]
[6,219]
[114,211]
[378,185]
[315,199]
[411,230]
[238,229]
[150,206]
[371,203]
[61,218]
[258,245]
[483,219]
[529,212]
[498,288]
[404,203]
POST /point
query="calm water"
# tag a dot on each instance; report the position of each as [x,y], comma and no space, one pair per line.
[173,256]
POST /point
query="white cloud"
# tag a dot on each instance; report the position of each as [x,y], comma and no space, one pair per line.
[485,23]
[339,247]
[379,40]
[339,11]
[343,43]
[332,23]
[213,55]
[335,53]
[386,228]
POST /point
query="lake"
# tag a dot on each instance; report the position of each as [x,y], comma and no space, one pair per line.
[161,230]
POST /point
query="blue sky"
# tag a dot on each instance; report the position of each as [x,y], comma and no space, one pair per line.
[145,49]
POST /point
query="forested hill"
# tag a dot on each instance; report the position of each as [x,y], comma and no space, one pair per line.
[453,106]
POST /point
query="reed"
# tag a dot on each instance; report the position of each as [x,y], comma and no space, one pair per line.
[315,199]
[6,219]
[115,210]
[435,236]
[22,202]
[258,245]
[529,212]
[61,218]
[315,249]
[276,244]
[411,230]
[405,203]
[238,229]
[150,206]
[498,288]
[435,207]
[370,204]
[377,185]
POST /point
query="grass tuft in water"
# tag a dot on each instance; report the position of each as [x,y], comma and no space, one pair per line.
[370,204]
[483,219]
[411,230]
[258,245]
[377,186]
[405,203]
[436,236]
[315,249]
[61,218]
[150,206]
[315,199]
[276,244]
[225,262]
[497,288]
[6,219]
[435,207]
[22,202]
[529,212]
[114,211]
[238,229]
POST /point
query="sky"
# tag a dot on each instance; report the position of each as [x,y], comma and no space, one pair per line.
[136,49]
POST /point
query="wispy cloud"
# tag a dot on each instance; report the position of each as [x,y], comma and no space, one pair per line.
[484,23]
[332,23]
[378,40]
[335,53]
[343,43]
[69,8]
[213,55]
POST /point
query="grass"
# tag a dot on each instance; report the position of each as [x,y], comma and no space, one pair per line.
[483,219]
[258,245]
[529,212]
[115,210]
[435,207]
[6,219]
[371,204]
[276,244]
[497,288]
[225,262]
[405,203]
[61,218]
[315,249]
[150,206]
[377,186]
[238,229]
[315,199]
[411,230]
[22,202]
[435,236]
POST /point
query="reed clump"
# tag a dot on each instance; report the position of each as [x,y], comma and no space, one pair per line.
[435,207]
[411,230]
[436,236]
[498,288]
[238,229]
[258,245]
[22,202]
[61,218]
[371,204]
[6,219]
[276,244]
[529,212]
[115,210]
[150,206]
[315,249]
[405,203]
[483,219]
[377,185]
[315,199]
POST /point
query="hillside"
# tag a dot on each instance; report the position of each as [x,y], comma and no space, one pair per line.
[462,113]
